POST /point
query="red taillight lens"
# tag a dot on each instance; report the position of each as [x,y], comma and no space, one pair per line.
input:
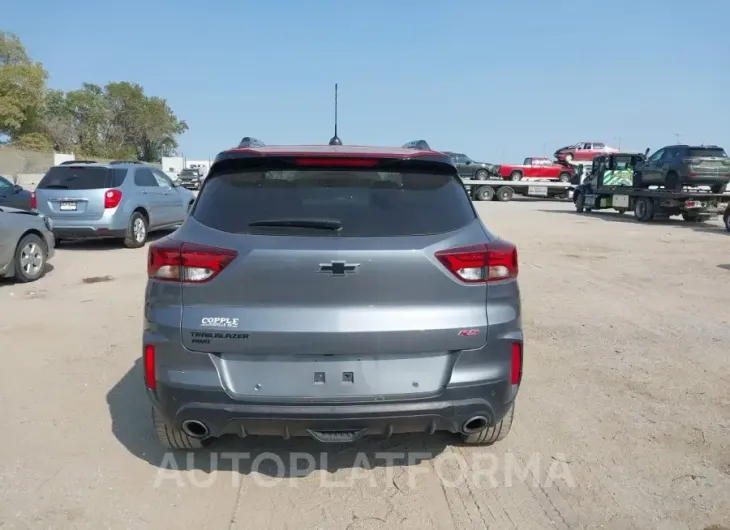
[516,377]
[489,262]
[33,201]
[150,377]
[175,261]
[112,198]
[339,162]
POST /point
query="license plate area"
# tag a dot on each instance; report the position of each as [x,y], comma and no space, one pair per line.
[537,191]
[68,206]
[315,377]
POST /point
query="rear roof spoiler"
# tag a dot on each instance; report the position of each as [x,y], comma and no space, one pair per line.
[421,145]
[74,162]
[250,141]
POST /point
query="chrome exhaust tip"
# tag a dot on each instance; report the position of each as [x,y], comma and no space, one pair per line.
[475,424]
[195,429]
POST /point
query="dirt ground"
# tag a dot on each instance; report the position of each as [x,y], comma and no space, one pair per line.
[623,420]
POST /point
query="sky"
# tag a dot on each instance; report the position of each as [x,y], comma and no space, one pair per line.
[497,80]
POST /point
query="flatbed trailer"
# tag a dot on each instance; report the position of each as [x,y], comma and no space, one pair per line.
[694,205]
[504,190]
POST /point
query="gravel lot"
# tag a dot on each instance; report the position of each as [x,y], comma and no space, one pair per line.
[623,420]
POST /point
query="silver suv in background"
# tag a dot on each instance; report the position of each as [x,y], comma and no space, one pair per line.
[332,292]
[123,200]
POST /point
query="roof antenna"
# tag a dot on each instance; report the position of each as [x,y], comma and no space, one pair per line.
[335,140]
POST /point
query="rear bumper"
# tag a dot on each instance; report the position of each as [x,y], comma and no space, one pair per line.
[447,411]
[86,232]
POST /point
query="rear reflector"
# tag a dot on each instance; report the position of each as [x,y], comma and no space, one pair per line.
[150,377]
[175,261]
[484,263]
[112,198]
[516,378]
[337,161]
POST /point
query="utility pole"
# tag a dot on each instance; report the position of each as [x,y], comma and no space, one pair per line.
[677,135]
[618,139]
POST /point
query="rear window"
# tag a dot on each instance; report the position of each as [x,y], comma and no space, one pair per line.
[82,178]
[367,203]
[706,151]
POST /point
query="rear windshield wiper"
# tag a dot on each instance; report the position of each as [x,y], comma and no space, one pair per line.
[293,222]
[57,187]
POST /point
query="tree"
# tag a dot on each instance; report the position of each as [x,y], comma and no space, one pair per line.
[115,121]
[22,85]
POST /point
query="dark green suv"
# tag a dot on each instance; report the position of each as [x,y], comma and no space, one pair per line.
[675,166]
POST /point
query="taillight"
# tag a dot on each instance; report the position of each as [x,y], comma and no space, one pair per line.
[337,161]
[516,376]
[33,201]
[112,198]
[488,262]
[150,377]
[175,261]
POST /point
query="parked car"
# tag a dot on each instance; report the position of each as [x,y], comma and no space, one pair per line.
[26,244]
[536,168]
[14,195]
[471,169]
[291,302]
[190,178]
[675,166]
[125,200]
[583,151]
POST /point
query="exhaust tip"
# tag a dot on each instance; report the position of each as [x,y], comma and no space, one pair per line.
[195,429]
[475,424]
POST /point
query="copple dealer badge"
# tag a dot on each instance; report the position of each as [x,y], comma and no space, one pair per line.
[219,322]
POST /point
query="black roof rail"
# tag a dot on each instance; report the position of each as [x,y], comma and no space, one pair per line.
[421,145]
[115,162]
[74,162]
[250,141]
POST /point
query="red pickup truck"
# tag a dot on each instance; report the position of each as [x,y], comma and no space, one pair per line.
[536,168]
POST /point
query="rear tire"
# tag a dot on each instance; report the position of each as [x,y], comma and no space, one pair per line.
[505,194]
[515,175]
[30,259]
[171,438]
[485,193]
[726,220]
[481,174]
[565,177]
[644,209]
[672,182]
[494,433]
[137,231]
[693,218]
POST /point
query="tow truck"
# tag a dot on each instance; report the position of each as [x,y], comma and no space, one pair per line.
[504,190]
[612,184]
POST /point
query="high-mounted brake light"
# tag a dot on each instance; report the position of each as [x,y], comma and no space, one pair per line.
[33,201]
[150,376]
[112,198]
[175,261]
[483,263]
[337,162]
[516,376]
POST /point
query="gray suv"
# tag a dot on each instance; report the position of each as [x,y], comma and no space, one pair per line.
[312,291]
[125,200]
[675,166]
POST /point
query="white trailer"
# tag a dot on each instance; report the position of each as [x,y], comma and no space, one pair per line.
[504,190]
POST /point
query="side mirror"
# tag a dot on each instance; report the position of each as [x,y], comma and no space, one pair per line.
[18,188]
